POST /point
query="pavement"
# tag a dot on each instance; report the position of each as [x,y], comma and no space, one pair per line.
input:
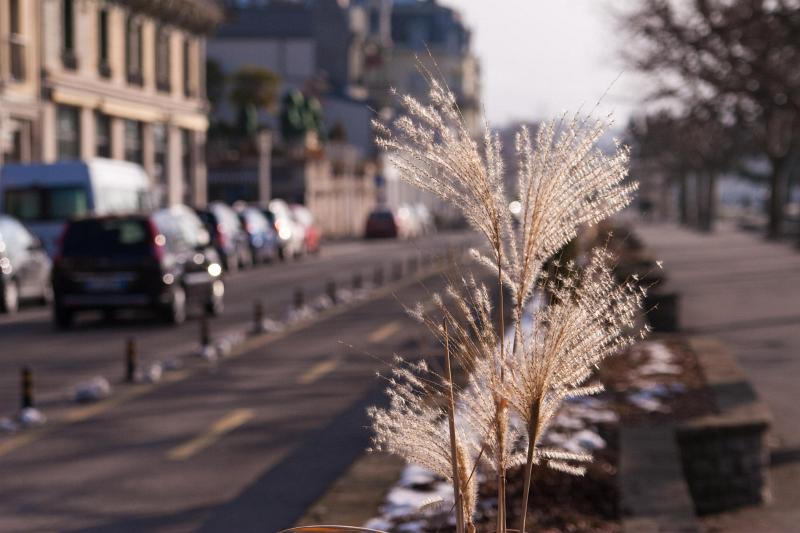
[745,290]
[248,444]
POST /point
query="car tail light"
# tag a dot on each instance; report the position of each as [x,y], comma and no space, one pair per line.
[158,241]
[219,235]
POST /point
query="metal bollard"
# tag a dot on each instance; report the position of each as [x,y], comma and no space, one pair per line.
[299,298]
[377,278]
[258,315]
[26,399]
[205,332]
[357,281]
[330,289]
[397,270]
[130,360]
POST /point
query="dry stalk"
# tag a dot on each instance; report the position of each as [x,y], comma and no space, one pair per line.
[451,418]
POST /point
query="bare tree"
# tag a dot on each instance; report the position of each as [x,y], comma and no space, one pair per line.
[694,144]
[740,59]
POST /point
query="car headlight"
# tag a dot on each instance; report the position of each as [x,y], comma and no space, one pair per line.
[215,269]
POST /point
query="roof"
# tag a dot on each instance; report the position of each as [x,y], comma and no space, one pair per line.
[197,15]
[273,21]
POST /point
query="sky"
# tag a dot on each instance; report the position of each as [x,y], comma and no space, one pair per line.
[541,58]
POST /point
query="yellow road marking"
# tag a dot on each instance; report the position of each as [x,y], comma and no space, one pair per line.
[20,440]
[317,371]
[7,445]
[224,425]
[385,331]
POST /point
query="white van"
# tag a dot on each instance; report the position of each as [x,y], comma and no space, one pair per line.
[44,196]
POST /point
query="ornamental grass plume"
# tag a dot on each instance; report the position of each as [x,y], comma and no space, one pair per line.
[514,386]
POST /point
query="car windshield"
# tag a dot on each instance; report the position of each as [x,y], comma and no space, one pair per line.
[34,204]
[107,237]
[382,216]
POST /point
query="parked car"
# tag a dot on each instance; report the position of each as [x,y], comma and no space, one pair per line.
[44,196]
[24,266]
[262,237]
[290,234]
[312,233]
[381,224]
[425,218]
[227,236]
[162,262]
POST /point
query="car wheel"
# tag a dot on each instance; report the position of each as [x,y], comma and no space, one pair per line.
[215,303]
[10,297]
[63,317]
[176,310]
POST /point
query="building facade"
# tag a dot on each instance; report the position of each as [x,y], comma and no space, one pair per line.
[420,27]
[123,80]
[19,80]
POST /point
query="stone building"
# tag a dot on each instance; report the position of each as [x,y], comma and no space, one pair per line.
[122,79]
[423,26]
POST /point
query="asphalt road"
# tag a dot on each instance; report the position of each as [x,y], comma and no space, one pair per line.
[246,444]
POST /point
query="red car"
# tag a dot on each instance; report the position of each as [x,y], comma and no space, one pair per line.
[381,224]
[313,235]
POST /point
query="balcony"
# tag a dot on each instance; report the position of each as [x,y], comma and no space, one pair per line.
[17,58]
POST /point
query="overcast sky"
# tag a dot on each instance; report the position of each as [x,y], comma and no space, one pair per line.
[543,57]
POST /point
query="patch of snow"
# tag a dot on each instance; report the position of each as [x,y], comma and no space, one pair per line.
[31,417]
[154,373]
[8,425]
[647,400]
[171,365]
[302,314]
[321,303]
[96,389]
[381,524]
[208,353]
[269,326]
[412,527]
[416,475]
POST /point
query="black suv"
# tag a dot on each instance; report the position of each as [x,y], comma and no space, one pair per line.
[163,262]
[24,266]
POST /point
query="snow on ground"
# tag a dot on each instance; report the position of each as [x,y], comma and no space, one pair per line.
[96,389]
[654,378]
[574,428]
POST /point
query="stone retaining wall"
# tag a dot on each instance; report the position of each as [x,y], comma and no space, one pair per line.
[725,455]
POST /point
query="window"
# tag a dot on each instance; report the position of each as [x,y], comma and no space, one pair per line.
[162,59]
[160,153]
[68,34]
[187,166]
[19,149]
[16,42]
[102,43]
[133,141]
[68,132]
[133,50]
[102,134]
[34,204]
[188,86]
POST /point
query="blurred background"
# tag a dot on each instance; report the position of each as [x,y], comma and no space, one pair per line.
[186,182]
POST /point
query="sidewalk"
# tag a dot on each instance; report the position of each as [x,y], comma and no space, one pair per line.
[746,291]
